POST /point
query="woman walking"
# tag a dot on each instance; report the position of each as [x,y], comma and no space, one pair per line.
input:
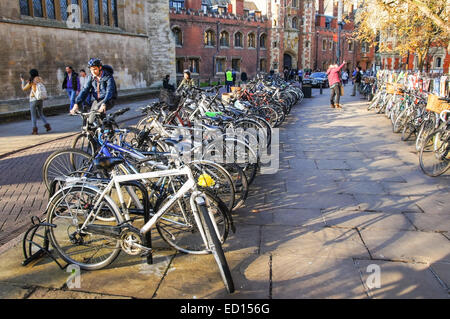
[36,105]
[335,84]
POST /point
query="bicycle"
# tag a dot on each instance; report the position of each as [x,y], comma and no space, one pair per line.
[80,237]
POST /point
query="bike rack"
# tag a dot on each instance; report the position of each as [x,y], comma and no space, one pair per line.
[30,240]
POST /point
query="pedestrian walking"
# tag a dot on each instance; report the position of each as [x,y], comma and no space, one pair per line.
[244,77]
[83,80]
[233,72]
[71,84]
[345,77]
[37,94]
[103,87]
[300,75]
[228,80]
[356,80]
[335,84]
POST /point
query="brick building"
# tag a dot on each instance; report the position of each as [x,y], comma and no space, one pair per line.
[258,36]
[44,35]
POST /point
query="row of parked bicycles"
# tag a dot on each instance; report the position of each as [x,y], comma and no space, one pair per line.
[181,170]
[417,116]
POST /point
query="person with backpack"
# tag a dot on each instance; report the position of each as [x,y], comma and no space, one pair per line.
[101,84]
[37,96]
[356,80]
[71,84]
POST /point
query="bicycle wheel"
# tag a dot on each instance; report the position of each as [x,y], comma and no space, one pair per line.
[435,153]
[85,143]
[408,131]
[86,246]
[67,162]
[426,129]
[400,121]
[178,228]
[240,184]
[216,179]
[215,247]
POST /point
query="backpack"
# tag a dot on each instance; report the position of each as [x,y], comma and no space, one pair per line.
[41,92]
[111,71]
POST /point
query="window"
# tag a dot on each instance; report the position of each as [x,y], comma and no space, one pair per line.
[176,4]
[236,65]
[210,38]
[350,45]
[220,65]
[294,3]
[274,22]
[194,65]
[294,23]
[180,65]
[103,10]
[262,41]
[365,47]
[307,44]
[224,39]
[330,45]
[50,8]
[251,40]
[438,62]
[238,40]
[85,10]
[37,9]
[178,35]
[324,44]
[97,11]
[275,44]
[204,8]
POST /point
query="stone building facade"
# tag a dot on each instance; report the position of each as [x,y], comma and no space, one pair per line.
[295,34]
[133,37]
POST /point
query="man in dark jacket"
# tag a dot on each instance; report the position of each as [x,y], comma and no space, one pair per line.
[356,80]
[102,86]
[71,84]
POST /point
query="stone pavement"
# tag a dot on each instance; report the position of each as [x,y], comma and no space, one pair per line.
[349,202]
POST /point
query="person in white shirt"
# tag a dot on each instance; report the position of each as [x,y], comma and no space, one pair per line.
[344,77]
[83,79]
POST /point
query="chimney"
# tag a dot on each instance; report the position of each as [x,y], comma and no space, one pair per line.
[193,4]
[321,7]
[238,7]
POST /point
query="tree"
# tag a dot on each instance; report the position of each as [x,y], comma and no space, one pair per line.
[399,27]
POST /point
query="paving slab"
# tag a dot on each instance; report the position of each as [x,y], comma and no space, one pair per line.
[412,246]
[323,199]
[367,220]
[197,276]
[441,270]
[296,277]
[400,280]
[430,222]
[13,291]
[312,242]
[45,293]
[387,203]
[360,187]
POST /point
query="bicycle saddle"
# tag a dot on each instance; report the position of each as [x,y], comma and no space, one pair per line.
[108,163]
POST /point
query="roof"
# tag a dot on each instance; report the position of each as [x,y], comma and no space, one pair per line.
[250,5]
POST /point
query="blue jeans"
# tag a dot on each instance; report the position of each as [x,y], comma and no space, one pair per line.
[72,95]
[36,112]
[228,85]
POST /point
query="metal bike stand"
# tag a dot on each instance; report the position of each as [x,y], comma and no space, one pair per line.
[30,240]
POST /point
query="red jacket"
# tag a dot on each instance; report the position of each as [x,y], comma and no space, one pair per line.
[333,74]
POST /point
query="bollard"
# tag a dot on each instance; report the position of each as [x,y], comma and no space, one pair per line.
[321,91]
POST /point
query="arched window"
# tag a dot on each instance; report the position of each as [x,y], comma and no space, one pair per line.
[178,35]
[251,40]
[238,40]
[294,23]
[210,38]
[438,62]
[224,39]
[262,41]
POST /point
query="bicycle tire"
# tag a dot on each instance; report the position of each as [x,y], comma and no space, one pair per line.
[71,245]
[216,248]
[438,149]
[85,143]
[181,232]
[66,162]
